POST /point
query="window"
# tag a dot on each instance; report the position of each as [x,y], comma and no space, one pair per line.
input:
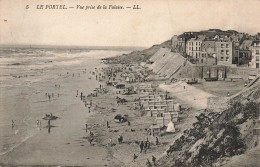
[227,58]
[222,58]
[257,65]
[227,45]
[257,58]
[222,45]
[222,52]
[257,52]
[227,52]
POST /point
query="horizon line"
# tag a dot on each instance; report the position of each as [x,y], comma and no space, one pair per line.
[67,46]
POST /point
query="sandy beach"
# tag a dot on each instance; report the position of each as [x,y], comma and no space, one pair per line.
[67,142]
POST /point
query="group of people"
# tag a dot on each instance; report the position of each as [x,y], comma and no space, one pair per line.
[148,163]
[145,145]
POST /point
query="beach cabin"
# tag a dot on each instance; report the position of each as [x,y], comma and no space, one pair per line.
[156,112]
[174,116]
[256,131]
[177,107]
[155,130]
[160,121]
[170,127]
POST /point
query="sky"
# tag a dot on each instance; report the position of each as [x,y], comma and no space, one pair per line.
[156,21]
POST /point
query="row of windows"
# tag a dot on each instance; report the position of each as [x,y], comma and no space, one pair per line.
[223,52]
[196,43]
[222,58]
[195,49]
[223,45]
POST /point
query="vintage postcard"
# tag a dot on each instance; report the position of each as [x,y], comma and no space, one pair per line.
[142,83]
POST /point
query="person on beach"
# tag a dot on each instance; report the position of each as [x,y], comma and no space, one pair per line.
[77,92]
[128,122]
[118,139]
[157,141]
[134,158]
[12,124]
[108,125]
[49,97]
[141,146]
[86,127]
[145,147]
[40,125]
[153,159]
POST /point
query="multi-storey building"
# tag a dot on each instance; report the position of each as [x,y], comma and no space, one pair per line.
[245,52]
[227,52]
[179,42]
[255,48]
[193,47]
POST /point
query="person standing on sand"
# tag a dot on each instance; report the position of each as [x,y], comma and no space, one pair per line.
[12,124]
[145,147]
[141,146]
[86,127]
[128,123]
[157,141]
[108,125]
[153,159]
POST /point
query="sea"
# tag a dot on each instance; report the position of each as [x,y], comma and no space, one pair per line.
[28,74]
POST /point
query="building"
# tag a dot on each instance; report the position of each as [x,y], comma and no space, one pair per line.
[255,49]
[245,52]
[179,42]
[193,47]
[208,53]
[227,52]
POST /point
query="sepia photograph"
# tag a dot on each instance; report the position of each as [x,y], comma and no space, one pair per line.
[130,83]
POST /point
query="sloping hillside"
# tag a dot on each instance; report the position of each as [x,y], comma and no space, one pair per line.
[165,62]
